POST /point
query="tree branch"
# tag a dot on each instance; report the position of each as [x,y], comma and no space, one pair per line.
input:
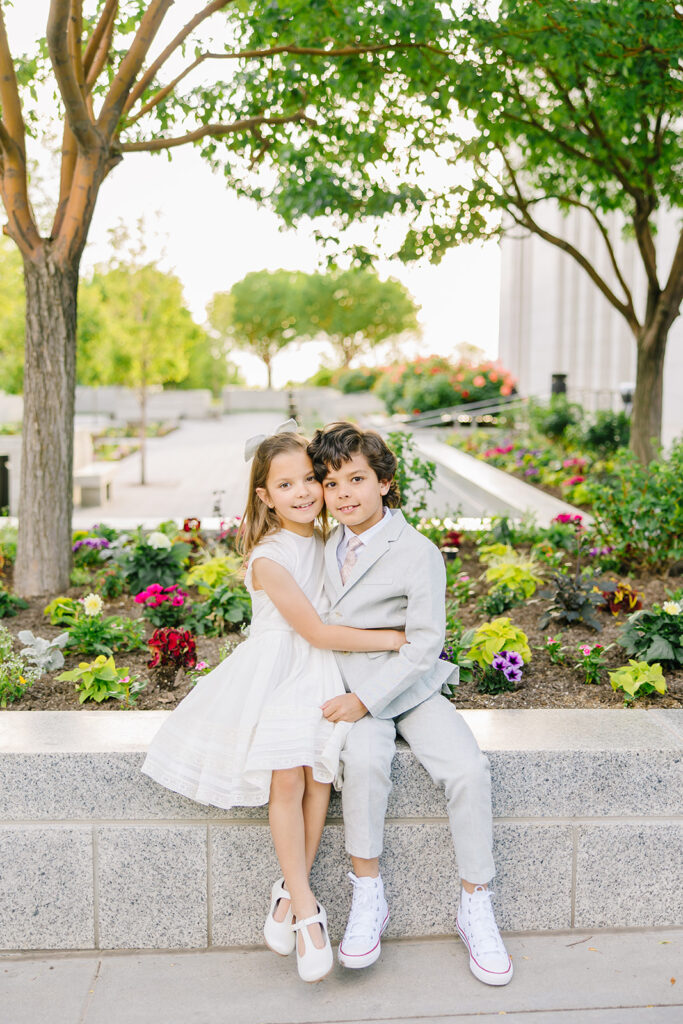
[130,66]
[148,77]
[66,75]
[212,130]
[672,296]
[605,234]
[526,220]
[94,66]
[9,93]
[106,17]
[157,98]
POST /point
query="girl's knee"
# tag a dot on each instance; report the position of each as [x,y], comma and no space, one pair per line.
[287,784]
[312,785]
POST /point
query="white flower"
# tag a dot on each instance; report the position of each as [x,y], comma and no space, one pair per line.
[92,604]
[671,607]
[158,540]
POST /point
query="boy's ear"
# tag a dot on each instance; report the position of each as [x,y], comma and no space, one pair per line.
[384,486]
[263,495]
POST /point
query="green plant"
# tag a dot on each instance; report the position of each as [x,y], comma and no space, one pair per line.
[519,577]
[498,600]
[456,650]
[592,661]
[109,582]
[637,679]
[503,674]
[415,476]
[351,381]
[608,432]
[152,559]
[79,576]
[553,419]
[8,543]
[93,634]
[655,635]
[46,655]
[98,680]
[16,675]
[459,584]
[10,604]
[495,636]
[225,608]
[63,611]
[214,571]
[554,649]
[623,598]
[639,512]
[163,606]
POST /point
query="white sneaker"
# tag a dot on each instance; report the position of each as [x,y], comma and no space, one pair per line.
[489,960]
[369,916]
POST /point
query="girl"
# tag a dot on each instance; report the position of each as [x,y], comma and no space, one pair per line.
[252,732]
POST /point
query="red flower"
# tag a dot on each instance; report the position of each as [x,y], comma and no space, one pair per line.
[172,647]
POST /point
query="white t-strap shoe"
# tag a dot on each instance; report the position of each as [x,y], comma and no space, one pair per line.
[369,916]
[279,935]
[313,964]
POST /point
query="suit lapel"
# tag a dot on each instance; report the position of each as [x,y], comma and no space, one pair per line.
[332,574]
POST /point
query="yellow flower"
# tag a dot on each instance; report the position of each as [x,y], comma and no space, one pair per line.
[671,607]
[92,604]
[22,680]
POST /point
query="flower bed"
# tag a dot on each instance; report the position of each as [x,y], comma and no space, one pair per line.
[536,618]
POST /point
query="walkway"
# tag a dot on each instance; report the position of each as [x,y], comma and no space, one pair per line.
[599,978]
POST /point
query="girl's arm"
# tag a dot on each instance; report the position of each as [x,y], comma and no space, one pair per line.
[295,607]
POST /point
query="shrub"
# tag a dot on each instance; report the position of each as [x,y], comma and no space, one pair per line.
[16,675]
[655,635]
[8,543]
[498,600]
[10,604]
[225,609]
[152,559]
[639,512]
[63,611]
[415,476]
[86,549]
[175,648]
[493,637]
[163,606]
[99,680]
[574,598]
[555,417]
[93,634]
[213,572]
[352,381]
[608,432]
[637,679]
[433,382]
[46,655]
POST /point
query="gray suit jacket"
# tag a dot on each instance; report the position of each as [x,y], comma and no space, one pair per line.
[398,582]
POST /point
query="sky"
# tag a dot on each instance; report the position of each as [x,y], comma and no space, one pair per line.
[210,238]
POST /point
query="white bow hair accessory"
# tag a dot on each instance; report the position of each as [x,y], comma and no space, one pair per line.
[252,443]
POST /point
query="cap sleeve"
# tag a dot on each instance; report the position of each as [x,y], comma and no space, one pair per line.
[279,549]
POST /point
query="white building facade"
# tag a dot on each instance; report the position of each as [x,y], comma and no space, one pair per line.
[553,318]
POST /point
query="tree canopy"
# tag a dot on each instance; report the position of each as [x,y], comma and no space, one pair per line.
[263,312]
[355,310]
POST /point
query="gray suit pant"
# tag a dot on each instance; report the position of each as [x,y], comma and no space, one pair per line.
[443,742]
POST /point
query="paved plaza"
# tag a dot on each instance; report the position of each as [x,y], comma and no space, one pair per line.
[202,463]
[585,978]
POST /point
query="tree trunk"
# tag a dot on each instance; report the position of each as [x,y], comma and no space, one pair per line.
[269,385]
[143,432]
[646,418]
[46,492]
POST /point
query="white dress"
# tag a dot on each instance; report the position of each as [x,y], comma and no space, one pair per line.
[259,710]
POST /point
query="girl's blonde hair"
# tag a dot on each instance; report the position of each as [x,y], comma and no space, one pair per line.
[258,520]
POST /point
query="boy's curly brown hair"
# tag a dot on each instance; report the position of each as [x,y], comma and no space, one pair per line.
[339,442]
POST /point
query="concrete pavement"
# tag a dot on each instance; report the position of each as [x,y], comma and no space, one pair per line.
[560,978]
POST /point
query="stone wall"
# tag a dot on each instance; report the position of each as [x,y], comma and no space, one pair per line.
[588,825]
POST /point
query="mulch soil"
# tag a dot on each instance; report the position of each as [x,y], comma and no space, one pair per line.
[544,685]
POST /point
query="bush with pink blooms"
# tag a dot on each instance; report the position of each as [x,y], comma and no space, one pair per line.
[434,382]
[163,606]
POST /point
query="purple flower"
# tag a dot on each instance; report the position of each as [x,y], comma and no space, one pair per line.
[499,662]
[513,675]
[514,659]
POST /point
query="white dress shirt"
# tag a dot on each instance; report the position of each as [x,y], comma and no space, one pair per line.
[365,537]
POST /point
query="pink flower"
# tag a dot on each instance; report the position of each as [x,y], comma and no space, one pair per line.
[586,650]
[177,601]
[479,381]
[506,389]
[201,665]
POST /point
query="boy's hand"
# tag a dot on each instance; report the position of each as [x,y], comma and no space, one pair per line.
[345,708]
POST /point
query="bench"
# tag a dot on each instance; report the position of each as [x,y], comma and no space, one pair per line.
[94,482]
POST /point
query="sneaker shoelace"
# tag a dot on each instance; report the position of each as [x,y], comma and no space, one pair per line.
[484,930]
[363,916]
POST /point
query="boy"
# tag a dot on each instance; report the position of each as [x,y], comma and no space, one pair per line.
[381,572]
